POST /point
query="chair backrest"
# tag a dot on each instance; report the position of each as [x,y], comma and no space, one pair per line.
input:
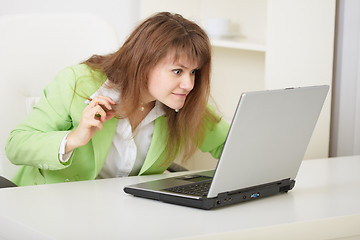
[33,48]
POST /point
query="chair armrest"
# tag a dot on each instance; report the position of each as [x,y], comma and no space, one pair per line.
[4,183]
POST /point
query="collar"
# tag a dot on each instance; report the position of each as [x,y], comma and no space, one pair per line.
[157,111]
[106,90]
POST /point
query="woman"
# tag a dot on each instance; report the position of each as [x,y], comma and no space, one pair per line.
[127,113]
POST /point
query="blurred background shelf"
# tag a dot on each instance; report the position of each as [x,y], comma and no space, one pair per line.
[240,44]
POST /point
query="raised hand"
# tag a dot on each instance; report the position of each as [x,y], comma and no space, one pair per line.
[93,118]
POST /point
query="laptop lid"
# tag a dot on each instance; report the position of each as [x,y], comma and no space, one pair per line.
[268,137]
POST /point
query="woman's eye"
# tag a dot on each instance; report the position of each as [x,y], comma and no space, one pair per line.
[193,72]
[177,71]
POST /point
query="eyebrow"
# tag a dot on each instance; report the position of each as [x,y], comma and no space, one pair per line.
[182,66]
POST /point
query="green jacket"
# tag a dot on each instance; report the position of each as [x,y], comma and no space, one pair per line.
[35,142]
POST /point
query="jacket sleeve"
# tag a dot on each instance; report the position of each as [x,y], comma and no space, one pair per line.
[215,138]
[36,140]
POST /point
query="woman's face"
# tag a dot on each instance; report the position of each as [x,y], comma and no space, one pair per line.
[171,81]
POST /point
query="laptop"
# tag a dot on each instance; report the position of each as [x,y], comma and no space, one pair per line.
[262,154]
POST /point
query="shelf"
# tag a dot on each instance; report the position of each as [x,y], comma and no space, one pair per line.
[241,44]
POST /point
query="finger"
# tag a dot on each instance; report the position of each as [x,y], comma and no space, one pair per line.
[95,123]
[98,113]
[104,101]
[106,109]
[110,115]
[91,110]
[97,98]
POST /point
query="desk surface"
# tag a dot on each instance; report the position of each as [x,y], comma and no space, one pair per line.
[325,203]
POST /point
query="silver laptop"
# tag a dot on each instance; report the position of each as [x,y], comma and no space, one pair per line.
[265,146]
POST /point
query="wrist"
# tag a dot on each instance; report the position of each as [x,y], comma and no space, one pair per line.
[72,142]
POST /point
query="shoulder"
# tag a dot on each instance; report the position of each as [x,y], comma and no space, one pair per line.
[216,130]
[79,78]
[83,71]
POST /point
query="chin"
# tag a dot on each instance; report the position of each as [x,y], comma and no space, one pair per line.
[178,107]
[175,106]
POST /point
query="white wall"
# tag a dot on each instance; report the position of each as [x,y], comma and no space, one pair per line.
[345,129]
[122,14]
[300,42]
[248,17]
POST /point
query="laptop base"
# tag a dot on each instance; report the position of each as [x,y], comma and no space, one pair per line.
[223,199]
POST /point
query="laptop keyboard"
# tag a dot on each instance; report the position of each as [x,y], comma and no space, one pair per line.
[197,189]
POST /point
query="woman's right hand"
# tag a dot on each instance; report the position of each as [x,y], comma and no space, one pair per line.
[93,118]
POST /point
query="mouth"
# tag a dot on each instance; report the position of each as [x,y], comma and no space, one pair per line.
[180,95]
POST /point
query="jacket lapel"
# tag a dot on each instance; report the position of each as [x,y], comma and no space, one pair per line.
[157,146]
[102,142]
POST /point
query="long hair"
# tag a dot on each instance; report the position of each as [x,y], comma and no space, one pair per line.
[129,67]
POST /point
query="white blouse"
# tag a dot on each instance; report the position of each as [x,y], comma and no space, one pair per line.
[128,149]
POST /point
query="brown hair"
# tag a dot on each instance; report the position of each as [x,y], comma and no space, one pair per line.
[128,70]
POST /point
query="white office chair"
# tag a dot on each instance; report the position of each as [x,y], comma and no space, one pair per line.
[33,48]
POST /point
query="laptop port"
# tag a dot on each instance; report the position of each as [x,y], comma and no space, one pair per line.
[255,195]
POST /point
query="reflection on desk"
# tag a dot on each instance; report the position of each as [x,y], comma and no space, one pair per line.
[323,205]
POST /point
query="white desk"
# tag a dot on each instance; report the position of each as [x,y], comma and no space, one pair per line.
[325,204]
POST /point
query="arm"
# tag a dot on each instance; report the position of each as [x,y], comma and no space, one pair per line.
[215,137]
[36,141]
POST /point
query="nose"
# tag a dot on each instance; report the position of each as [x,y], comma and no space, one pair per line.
[187,82]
